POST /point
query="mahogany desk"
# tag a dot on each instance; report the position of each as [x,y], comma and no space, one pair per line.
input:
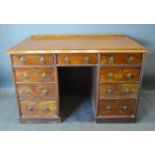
[117,62]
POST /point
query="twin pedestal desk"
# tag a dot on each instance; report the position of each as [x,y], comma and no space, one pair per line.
[117,65]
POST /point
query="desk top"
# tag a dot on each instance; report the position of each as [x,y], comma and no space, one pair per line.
[78,44]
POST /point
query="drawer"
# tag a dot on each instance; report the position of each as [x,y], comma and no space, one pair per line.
[121,59]
[118,91]
[38,108]
[44,91]
[112,74]
[77,59]
[117,107]
[32,59]
[34,74]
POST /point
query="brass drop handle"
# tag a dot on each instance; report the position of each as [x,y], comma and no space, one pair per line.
[67,60]
[129,75]
[86,59]
[22,60]
[127,90]
[45,91]
[43,76]
[110,75]
[42,60]
[108,107]
[34,70]
[111,60]
[109,91]
[46,109]
[26,76]
[28,92]
[125,108]
[29,108]
[130,59]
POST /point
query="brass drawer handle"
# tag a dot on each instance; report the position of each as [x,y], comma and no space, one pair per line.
[34,70]
[43,76]
[45,91]
[28,92]
[29,108]
[22,60]
[46,109]
[110,75]
[42,60]
[125,108]
[108,107]
[129,75]
[127,90]
[130,60]
[67,60]
[26,76]
[109,91]
[111,60]
[86,59]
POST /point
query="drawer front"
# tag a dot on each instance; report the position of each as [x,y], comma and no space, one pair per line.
[38,108]
[117,107]
[77,59]
[44,91]
[112,74]
[118,91]
[121,59]
[33,59]
[34,74]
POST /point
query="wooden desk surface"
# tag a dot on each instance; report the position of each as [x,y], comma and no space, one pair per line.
[78,44]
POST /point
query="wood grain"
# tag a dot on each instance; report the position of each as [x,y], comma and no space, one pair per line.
[117,107]
[118,91]
[77,44]
[113,74]
[121,59]
[77,59]
[33,59]
[39,108]
[34,74]
[42,91]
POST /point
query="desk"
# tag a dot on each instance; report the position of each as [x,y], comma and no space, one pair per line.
[117,63]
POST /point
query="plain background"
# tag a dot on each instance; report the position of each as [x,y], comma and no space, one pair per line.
[11,35]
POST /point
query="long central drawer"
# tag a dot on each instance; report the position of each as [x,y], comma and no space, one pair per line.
[77,59]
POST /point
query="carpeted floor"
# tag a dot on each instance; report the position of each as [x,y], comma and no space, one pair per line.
[78,117]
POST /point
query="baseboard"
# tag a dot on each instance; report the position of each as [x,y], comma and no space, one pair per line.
[39,120]
[116,120]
